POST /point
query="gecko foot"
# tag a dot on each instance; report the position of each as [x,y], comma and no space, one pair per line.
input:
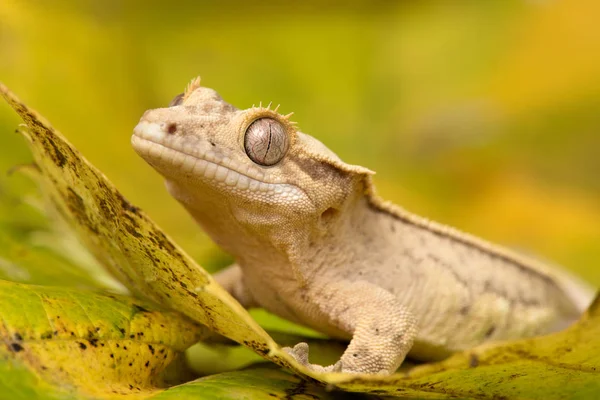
[300,354]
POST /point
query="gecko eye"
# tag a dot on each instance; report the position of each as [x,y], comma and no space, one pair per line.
[177,100]
[266,141]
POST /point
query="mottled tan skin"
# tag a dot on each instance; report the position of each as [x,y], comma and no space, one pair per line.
[332,255]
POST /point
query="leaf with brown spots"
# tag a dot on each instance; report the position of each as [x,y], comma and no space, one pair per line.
[74,344]
[86,344]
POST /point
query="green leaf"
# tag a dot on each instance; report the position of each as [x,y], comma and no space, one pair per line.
[256,383]
[36,246]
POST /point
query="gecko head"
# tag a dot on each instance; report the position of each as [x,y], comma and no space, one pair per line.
[247,166]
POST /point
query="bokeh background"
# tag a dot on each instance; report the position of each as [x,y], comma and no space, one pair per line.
[483,115]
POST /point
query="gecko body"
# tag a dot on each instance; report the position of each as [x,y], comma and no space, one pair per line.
[313,243]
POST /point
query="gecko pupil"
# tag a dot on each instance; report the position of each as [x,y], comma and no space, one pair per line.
[266,141]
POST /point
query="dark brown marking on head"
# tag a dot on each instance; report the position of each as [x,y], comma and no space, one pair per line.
[171,128]
[82,345]
[490,331]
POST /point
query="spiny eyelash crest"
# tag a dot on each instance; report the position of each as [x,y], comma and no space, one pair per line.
[273,112]
[254,112]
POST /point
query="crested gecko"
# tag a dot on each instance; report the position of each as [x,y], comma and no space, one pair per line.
[314,244]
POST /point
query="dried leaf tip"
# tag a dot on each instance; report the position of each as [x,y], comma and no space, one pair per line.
[193,85]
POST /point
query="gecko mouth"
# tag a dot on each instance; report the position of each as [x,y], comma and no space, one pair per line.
[154,145]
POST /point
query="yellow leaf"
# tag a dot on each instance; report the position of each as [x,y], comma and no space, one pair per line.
[87,343]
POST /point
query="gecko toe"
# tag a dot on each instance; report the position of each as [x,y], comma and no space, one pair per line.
[299,352]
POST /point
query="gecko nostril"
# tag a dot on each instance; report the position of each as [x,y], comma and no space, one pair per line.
[171,128]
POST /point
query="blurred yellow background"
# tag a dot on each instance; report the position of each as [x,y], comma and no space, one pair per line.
[483,115]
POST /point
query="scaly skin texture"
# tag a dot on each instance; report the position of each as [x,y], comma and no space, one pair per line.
[315,245]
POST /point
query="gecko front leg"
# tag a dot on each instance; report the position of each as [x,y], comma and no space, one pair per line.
[382,329]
